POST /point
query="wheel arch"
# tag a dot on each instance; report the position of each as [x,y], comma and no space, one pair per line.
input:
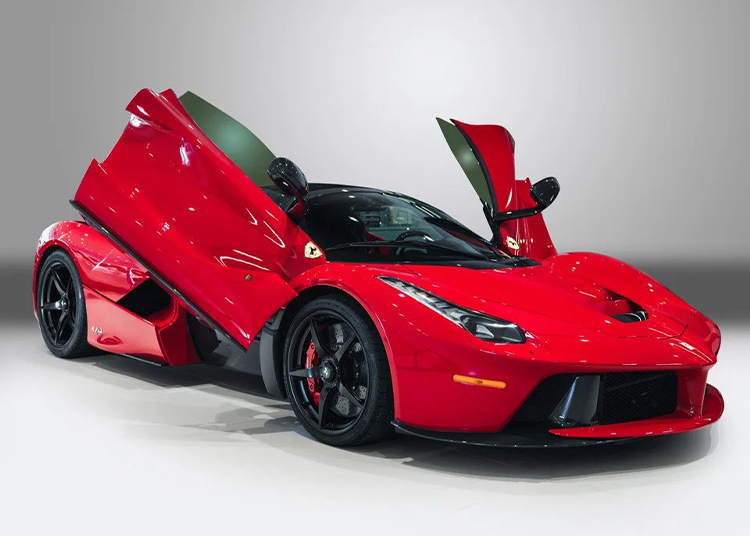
[274,333]
[42,254]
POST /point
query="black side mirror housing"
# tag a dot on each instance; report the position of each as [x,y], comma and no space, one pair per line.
[545,191]
[291,181]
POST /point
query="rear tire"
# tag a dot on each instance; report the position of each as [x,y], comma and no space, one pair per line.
[336,373]
[61,307]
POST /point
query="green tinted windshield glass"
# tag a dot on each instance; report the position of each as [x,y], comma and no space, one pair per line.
[237,142]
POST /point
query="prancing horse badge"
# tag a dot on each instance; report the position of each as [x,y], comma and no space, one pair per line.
[312,251]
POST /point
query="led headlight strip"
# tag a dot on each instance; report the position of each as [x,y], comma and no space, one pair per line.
[480,325]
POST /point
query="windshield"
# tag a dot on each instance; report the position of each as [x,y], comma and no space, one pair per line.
[358,225]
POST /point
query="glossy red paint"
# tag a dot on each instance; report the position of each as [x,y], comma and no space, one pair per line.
[425,349]
[174,339]
[108,274]
[167,192]
[101,264]
[169,195]
[162,337]
[495,149]
[117,330]
[528,236]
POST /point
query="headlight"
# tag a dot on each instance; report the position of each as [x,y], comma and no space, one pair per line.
[481,326]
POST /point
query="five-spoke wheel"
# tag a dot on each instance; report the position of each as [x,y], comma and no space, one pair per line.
[336,373]
[60,306]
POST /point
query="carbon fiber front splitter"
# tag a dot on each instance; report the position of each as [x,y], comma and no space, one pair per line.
[510,437]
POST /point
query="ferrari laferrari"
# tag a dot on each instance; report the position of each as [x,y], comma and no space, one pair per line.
[369,310]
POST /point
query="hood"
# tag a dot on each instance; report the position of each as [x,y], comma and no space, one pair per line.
[552,300]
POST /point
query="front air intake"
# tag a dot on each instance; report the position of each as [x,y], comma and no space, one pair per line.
[570,400]
[633,396]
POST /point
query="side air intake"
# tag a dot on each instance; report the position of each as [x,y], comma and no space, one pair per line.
[145,299]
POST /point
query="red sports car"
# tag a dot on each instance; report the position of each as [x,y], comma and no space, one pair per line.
[371,311]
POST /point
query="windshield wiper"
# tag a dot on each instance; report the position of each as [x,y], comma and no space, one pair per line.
[402,244]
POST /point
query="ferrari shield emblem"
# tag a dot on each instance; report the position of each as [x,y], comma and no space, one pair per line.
[312,251]
[511,243]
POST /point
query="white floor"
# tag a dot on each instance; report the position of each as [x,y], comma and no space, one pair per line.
[107,445]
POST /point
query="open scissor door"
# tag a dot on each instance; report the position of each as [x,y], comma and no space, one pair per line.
[201,224]
[486,155]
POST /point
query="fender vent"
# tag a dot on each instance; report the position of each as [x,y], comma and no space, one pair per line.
[635,316]
[145,299]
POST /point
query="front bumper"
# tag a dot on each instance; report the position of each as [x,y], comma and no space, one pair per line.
[427,354]
[713,407]
[518,436]
[426,361]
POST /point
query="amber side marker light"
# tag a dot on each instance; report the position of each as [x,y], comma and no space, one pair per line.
[471,380]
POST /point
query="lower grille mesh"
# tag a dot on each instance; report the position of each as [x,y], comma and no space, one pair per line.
[633,396]
[623,397]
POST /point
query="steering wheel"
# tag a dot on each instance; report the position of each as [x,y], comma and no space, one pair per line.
[408,234]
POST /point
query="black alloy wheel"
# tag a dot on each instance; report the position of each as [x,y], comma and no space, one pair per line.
[336,373]
[60,306]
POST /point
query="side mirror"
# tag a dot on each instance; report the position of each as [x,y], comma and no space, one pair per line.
[545,191]
[291,181]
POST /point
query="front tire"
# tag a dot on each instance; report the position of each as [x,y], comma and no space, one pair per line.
[61,308]
[336,373]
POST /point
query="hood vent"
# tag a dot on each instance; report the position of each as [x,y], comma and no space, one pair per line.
[635,316]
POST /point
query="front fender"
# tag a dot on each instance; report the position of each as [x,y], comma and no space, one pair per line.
[359,282]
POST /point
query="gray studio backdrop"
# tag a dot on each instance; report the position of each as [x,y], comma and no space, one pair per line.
[640,108]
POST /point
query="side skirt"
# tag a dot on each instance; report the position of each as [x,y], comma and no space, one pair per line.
[153,362]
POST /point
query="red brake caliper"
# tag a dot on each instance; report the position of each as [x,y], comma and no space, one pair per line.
[313,360]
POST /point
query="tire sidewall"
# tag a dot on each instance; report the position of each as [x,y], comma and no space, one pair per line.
[80,330]
[355,318]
